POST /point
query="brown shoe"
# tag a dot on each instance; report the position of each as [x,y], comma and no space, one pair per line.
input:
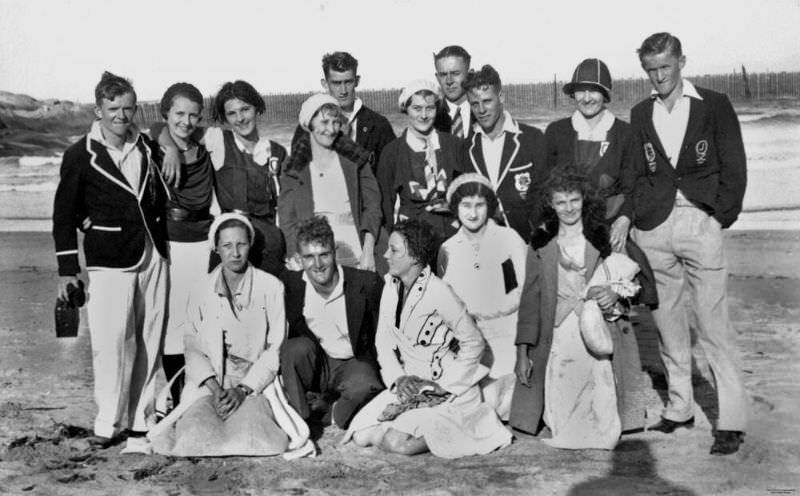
[726,442]
[668,426]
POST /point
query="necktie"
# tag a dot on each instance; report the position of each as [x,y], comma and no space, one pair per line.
[457,129]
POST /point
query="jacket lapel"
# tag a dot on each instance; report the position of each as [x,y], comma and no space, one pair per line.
[697,114]
[592,258]
[476,155]
[510,150]
[305,202]
[650,132]
[101,162]
[350,171]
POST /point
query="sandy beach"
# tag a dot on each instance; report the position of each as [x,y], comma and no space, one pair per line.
[47,398]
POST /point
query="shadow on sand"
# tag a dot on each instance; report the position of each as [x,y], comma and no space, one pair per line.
[633,472]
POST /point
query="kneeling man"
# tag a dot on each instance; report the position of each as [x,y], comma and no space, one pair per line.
[332,313]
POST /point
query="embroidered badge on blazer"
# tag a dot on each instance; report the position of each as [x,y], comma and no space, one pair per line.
[522,182]
[650,155]
[604,147]
[273,166]
[701,149]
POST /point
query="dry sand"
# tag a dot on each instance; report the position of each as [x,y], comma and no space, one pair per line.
[47,395]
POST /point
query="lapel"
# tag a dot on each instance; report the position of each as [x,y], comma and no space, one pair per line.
[697,115]
[476,155]
[592,259]
[101,161]
[144,167]
[549,254]
[350,171]
[510,150]
[304,203]
[296,292]
[354,304]
[651,135]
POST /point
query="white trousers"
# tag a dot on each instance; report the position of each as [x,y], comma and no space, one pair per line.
[688,259]
[188,262]
[126,317]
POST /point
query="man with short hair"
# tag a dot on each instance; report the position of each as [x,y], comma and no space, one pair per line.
[454,116]
[511,154]
[111,188]
[366,127]
[332,313]
[690,176]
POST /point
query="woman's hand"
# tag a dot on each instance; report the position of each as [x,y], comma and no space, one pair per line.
[407,386]
[619,233]
[605,297]
[171,165]
[524,367]
[228,401]
[294,263]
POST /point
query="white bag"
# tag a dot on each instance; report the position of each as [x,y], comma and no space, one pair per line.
[594,329]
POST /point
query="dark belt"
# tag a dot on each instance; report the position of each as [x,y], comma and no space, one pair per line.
[178,214]
[270,218]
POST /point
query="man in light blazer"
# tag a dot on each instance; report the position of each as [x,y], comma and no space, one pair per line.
[690,177]
[329,363]
[511,154]
[111,188]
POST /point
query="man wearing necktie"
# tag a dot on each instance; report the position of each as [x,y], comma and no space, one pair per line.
[454,116]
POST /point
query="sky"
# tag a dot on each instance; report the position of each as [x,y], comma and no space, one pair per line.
[59,48]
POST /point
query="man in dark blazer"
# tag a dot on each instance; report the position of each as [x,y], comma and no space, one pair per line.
[369,129]
[454,115]
[111,188]
[511,154]
[332,312]
[690,175]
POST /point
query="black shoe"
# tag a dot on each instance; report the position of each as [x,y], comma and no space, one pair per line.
[668,426]
[727,442]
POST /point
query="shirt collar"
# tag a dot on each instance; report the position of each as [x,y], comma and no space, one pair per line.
[96,134]
[357,104]
[600,130]
[337,291]
[451,108]
[419,144]
[509,125]
[689,90]
[262,151]
[242,292]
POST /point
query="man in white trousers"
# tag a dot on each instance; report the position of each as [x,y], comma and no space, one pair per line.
[111,189]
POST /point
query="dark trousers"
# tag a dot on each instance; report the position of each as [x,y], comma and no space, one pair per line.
[306,367]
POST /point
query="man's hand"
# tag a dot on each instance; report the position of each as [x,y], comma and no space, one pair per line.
[63,283]
[604,295]
[619,233]
[171,165]
[367,261]
[524,367]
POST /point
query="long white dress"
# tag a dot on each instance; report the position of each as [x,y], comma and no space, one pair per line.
[580,399]
[418,342]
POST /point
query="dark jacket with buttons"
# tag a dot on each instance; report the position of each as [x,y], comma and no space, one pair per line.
[711,170]
[122,216]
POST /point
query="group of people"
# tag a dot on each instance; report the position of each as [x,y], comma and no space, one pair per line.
[429,292]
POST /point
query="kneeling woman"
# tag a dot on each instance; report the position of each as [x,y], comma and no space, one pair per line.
[561,378]
[434,402]
[235,327]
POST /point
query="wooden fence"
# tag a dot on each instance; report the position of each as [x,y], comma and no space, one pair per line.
[526,97]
